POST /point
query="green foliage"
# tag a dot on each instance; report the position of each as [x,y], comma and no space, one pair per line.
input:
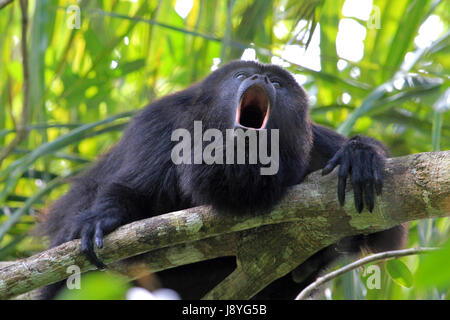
[400,273]
[428,275]
[87,82]
[97,286]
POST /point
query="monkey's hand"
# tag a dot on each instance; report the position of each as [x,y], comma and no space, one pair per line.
[91,225]
[364,161]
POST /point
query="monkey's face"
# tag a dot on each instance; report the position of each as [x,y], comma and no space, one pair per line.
[254,96]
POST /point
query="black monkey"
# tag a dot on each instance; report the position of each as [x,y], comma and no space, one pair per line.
[138,177]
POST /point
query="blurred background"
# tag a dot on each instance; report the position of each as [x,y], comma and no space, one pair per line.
[379,68]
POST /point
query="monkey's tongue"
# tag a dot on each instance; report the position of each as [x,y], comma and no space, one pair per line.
[253,110]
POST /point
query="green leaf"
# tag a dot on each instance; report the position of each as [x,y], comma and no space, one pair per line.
[400,273]
[434,269]
[410,22]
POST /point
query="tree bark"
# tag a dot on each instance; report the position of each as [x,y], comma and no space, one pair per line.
[309,219]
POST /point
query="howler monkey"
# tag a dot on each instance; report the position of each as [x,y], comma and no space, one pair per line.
[140,177]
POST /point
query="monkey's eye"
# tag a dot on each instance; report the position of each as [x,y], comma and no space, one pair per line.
[241,75]
[276,83]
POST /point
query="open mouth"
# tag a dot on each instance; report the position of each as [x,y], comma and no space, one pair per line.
[254,107]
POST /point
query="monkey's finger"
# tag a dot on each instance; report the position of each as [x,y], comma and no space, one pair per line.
[369,196]
[357,182]
[378,175]
[368,180]
[334,161]
[99,234]
[87,246]
[357,190]
[344,171]
[104,226]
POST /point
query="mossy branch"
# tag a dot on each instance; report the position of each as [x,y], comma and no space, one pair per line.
[266,246]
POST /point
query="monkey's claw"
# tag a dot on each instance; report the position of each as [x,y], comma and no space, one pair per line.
[365,166]
[94,226]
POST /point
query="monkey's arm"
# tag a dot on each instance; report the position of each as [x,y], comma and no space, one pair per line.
[129,192]
[361,158]
[116,204]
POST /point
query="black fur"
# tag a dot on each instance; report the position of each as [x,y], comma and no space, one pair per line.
[137,178]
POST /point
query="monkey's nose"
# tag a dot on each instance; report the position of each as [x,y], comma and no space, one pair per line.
[261,77]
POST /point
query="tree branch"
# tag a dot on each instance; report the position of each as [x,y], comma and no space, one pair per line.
[309,218]
[4,3]
[359,263]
